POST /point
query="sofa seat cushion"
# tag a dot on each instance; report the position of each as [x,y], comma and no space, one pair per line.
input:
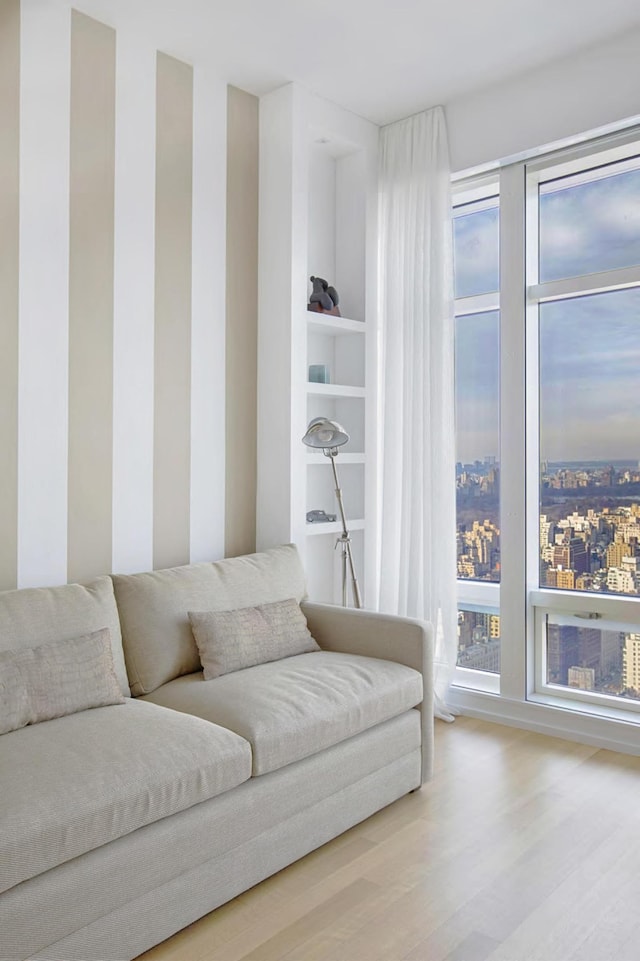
[296,707]
[80,781]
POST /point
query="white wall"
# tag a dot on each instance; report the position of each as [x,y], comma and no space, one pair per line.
[568,97]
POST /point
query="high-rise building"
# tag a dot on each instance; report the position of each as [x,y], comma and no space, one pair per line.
[583,678]
[465,628]
[631,662]
[620,581]
[573,555]
[616,551]
[584,582]
[563,580]
[590,651]
[611,657]
[562,652]
[481,657]
[479,641]
[547,530]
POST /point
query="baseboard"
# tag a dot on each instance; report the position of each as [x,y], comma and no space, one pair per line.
[601,732]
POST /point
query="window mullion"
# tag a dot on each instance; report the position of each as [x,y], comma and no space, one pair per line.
[513,607]
[586,284]
[478,304]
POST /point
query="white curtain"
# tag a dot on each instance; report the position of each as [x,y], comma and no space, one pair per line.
[418,555]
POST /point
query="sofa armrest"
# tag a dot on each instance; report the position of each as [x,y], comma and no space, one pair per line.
[387,636]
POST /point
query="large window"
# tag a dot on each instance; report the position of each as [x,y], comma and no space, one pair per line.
[547,259]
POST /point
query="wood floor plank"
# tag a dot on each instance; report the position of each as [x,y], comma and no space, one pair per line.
[290,938]
[522,848]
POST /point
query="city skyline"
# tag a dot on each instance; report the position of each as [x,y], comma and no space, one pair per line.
[589,517]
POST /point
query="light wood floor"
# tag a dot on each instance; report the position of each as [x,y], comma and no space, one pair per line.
[522,848]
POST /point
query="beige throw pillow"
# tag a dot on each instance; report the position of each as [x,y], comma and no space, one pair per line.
[63,677]
[232,640]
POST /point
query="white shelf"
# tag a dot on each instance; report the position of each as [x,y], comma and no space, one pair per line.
[318,165]
[334,527]
[315,459]
[334,326]
[335,390]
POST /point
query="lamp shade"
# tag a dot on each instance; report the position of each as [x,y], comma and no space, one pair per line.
[324,434]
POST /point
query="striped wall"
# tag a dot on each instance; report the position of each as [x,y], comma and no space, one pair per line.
[112,305]
[91,244]
[9,265]
[242,321]
[172,374]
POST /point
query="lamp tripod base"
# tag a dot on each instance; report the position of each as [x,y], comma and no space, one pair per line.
[344,542]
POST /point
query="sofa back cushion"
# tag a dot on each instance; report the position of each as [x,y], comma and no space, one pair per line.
[34,616]
[157,637]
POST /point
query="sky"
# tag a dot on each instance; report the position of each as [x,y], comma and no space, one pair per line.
[589,346]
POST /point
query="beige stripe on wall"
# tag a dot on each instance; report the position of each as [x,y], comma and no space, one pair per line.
[172,344]
[241,326]
[9,247]
[91,239]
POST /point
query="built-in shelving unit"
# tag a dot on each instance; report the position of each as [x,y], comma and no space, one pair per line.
[318,168]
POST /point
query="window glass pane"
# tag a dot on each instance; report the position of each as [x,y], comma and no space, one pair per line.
[476,247]
[479,640]
[477,369]
[605,661]
[590,222]
[590,443]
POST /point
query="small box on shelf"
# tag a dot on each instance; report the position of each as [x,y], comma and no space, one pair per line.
[319,374]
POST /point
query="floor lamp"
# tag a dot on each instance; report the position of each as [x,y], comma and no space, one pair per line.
[327,435]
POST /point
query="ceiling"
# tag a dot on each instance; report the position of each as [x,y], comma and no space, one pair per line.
[382,59]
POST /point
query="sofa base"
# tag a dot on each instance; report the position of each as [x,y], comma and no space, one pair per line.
[142,924]
[116,901]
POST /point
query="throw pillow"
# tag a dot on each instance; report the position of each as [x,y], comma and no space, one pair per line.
[64,677]
[232,640]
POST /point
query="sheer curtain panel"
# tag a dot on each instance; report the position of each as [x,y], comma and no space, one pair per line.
[417,569]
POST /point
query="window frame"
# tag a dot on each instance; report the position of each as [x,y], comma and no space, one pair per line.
[606,617]
[522,603]
[622,610]
[472,593]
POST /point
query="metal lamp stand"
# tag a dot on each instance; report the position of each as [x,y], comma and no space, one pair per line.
[344,541]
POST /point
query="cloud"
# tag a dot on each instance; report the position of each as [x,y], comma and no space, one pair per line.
[477,386]
[589,227]
[477,252]
[595,340]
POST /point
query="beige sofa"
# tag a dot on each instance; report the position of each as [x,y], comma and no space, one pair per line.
[121,824]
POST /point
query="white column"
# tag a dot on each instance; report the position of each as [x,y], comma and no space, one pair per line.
[44,294]
[208,315]
[133,321]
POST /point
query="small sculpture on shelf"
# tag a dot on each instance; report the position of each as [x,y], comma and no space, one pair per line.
[320,517]
[324,298]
